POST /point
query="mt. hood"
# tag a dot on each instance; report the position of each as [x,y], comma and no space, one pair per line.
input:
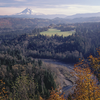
[28,11]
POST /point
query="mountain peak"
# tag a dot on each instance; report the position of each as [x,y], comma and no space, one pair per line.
[28,11]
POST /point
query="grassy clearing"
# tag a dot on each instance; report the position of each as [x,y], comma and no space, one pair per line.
[51,32]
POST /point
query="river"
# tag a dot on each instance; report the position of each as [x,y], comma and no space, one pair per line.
[56,62]
[66,89]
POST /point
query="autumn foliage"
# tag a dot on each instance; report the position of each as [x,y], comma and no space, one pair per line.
[95,64]
[3,92]
[55,95]
[86,85]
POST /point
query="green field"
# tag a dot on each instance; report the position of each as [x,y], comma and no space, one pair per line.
[51,32]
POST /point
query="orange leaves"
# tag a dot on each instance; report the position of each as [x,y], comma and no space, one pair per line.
[98,50]
[86,83]
[40,98]
[95,63]
[55,95]
[3,92]
[95,60]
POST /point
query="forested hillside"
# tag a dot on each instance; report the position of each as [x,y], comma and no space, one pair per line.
[24,77]
[68,49]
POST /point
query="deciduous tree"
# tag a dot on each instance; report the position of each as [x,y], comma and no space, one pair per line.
[86,87]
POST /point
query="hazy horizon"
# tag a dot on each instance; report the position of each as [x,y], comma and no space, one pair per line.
[65,7]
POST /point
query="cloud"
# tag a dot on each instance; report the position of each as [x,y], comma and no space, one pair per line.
[20,0]
[47,3]
[2,4]
[67,9]
[10,10]
[52,9]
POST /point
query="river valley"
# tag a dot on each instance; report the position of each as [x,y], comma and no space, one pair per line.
[66,81]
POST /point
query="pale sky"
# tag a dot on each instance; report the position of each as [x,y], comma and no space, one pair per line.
[67,7]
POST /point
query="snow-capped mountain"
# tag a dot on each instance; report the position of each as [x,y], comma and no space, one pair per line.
[28,11]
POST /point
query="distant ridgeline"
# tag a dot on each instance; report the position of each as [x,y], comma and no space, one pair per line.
[17,26]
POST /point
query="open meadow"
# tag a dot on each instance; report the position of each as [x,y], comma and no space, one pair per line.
[51,32]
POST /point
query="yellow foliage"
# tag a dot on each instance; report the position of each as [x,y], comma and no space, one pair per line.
[3,92]
[41,98]
[55,95]
[95,63]
[86,85]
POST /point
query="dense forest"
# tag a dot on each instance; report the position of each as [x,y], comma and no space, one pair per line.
[68,49]
[24,77]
